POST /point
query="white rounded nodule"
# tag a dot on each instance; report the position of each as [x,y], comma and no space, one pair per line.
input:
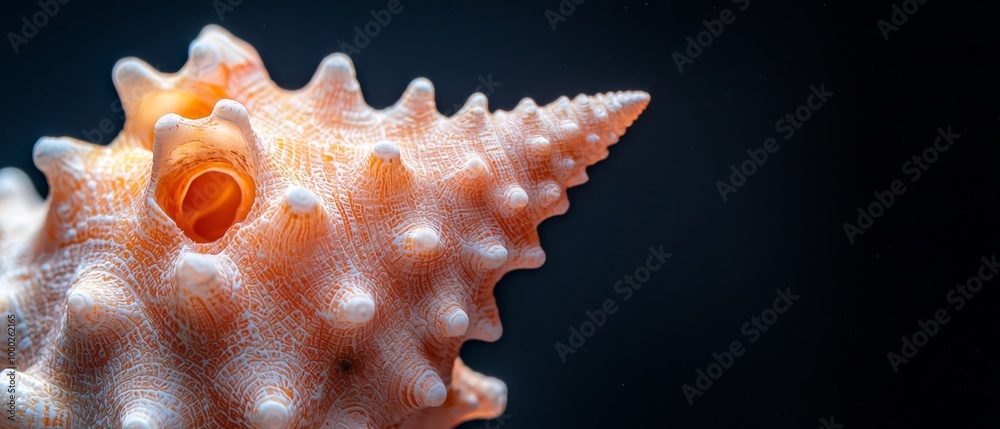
[231,110]
[422,86]
[456,323]
[80,303]
[167,123]
[474,167]
[131,70]
[137,422]
[516,198]
[436,393]
[337,66]
[272,414]
[570,127]
[539,147]
[494,256]
[386,151]
[204,54]
[424,239]
[196,268]
[48,151]
[359,310]
[300,200]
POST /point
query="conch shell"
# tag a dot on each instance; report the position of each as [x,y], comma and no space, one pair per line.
[247,256]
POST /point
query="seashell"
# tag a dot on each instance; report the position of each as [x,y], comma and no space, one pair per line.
[247,256]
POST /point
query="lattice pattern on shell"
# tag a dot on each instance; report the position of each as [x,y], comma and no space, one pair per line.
[247,256]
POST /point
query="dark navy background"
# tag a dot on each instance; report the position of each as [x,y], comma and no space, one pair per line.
[827,355]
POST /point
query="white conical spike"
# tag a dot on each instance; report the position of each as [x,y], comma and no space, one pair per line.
[234,112]
[549,192]
[215,52]
[429,390]
[477,100]
[528,111]
[470,172]
[512,200]
[474,113]
[336,91]
[90,301]
[195,271]
[538,147]
[416,102]
[57,157]
[569,127]
[485,323]
[529,258]
[336,73]
[475,396]
[80,303]
[419,240]
[166,126]
[351,305]
[453,322]
[386,152]
[134,78]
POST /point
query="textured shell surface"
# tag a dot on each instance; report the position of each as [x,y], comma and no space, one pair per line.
[243,255]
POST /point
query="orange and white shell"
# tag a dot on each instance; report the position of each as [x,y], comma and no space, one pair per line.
[247,256]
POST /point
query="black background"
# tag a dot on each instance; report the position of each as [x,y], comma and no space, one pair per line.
[826,356]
